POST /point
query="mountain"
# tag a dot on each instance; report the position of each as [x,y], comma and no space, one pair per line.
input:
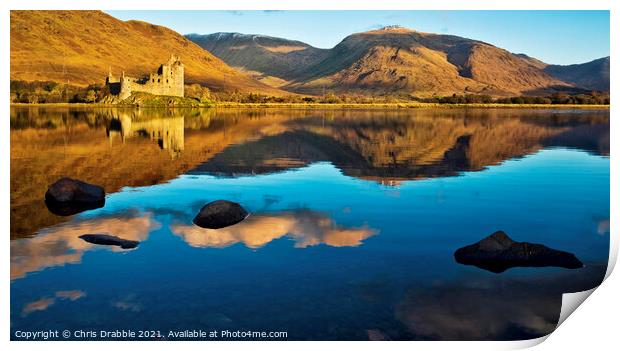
[590,75]
[80,47]
[393,60]
[272,60]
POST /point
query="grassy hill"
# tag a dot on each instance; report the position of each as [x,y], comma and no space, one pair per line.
[276,60]
[79,47]
[590,75]
[396,60]
[407,61]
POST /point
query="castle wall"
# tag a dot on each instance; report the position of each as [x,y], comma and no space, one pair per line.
[169,80]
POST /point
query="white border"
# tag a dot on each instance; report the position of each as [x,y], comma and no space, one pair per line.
[314,5]
[595,323]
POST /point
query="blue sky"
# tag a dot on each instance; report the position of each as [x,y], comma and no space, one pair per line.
[557,37]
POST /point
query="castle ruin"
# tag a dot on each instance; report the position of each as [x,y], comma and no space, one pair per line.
[169,80]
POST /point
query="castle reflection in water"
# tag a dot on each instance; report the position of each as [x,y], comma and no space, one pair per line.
[168,132]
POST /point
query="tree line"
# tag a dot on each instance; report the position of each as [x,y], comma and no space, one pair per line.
[51,92]
[592,98]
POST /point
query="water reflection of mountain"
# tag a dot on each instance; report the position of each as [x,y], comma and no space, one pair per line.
[480,307]
[385,146]
[390,150]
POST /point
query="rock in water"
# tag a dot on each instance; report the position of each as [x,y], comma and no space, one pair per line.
[498,252]
[220,214]
[70,196]
[105,239]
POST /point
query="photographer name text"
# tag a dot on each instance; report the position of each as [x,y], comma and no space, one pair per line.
[125,334]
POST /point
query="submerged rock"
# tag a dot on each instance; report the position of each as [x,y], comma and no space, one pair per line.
[105,239]
[220,214]
[70,196]
[498,252]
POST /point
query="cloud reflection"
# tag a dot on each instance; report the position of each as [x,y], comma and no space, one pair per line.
[602,227]
[60,245]
[70,294]
[38,305]
[127,303]
[43,303]
[305,227]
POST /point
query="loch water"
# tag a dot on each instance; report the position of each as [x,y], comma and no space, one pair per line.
[355,217]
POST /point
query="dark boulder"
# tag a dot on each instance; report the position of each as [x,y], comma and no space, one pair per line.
[70,196]
[498,252]
[105,239]
[220,214]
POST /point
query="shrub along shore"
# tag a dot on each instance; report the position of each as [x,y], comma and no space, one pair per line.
[51,93]
[330,106]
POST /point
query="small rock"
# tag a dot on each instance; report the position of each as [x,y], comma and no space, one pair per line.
[105,239]
[498,252]
[70,196]
[220,214]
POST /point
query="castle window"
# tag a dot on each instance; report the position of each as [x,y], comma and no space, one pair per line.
[153,80]
[166,80]
[158,80]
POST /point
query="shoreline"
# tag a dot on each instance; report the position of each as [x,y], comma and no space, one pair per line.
[409,105]
[404,105]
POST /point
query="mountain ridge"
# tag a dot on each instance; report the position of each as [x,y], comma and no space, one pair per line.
[590,75]
[398,60]
[81,47]
[270,56]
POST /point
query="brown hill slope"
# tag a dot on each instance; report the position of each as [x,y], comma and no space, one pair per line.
[589,75]
[80,47]
[391,60]
[407,61]
[272,57]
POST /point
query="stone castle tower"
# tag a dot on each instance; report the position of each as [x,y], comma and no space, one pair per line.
[169,80]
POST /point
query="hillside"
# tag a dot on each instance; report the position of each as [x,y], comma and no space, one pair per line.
[80,47]
[275,60]
[590,75]
[407,61]
[394,60]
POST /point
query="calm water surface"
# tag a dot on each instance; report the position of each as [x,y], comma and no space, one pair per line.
[355,218]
